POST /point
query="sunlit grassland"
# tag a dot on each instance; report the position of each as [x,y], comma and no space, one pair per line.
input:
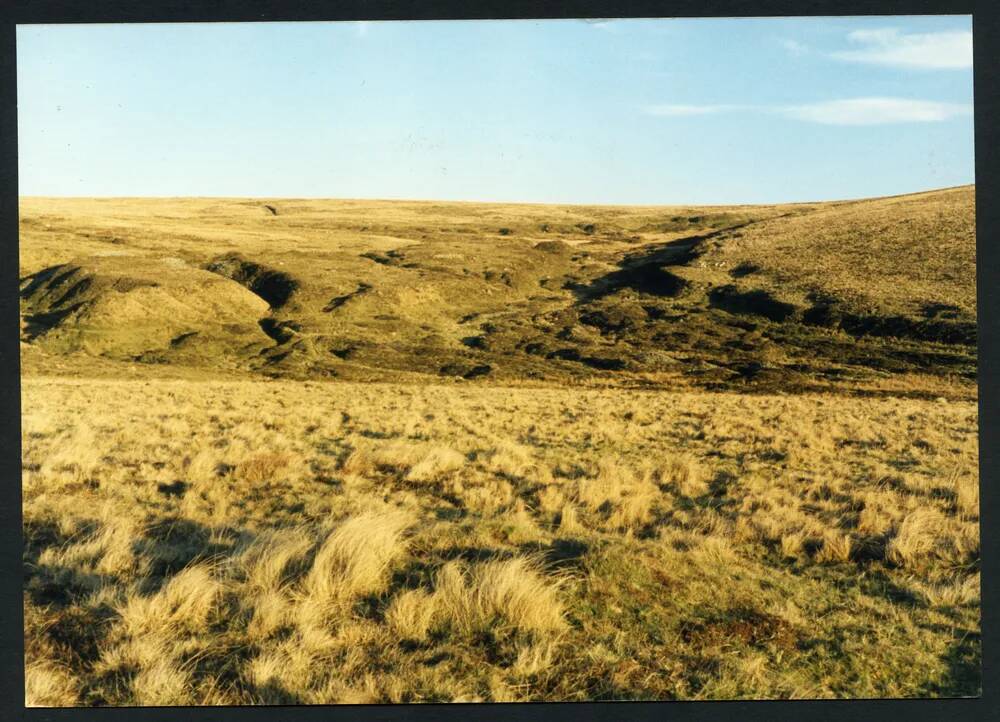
[212,542]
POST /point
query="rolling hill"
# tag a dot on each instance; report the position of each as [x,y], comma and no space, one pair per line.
[850,295]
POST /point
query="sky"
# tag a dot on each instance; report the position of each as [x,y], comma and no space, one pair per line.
[663,111]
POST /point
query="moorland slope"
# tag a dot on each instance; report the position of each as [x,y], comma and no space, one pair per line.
[870,294]
[580,476]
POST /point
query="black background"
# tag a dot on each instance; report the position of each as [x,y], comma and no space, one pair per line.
[986,32]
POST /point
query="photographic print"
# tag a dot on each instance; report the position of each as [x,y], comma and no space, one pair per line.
[498,361]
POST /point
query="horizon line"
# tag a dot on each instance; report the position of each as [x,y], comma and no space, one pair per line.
[490,202]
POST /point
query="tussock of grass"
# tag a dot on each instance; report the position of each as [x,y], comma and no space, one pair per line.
[967,496]
[261,467]
[49,685]
[956,591]
[792,545]
[418,462]
[568,520]
[276,557]
[355,557]
[836,548]
[927,535]
[515,461]
[682,472]
[411,613]
[512,594]
[616,491]
[551,499]
[489,497]
[439,461]
[185,603]
[162,683]
[109,549]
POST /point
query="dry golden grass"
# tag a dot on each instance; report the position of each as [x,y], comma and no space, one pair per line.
[272,542]
[537,490]
[354,558]
[49,685]
[411,614]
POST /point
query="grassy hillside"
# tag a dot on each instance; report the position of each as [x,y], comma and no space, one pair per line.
[301,451]
[863,295]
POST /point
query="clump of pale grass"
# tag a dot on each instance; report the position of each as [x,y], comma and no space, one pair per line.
[361,461]
[488,498]
[634,508]
[954,592]
[162,683]
[683,472]
[438,461]
[108,550]
[918,537]
[266,668]
[515,461]
[516,592]
[519,526]
[625,498]
[202,466]
[758,525]
[411,613]
[337,691]
[398,456]
[874,519]
[510,594]
[551,499]
[184,604]
[926,535]
[793,544]
[836,548]
[47,684]
[606,486]
[271,611]
[967,495]
[569,523]
[534,657]
[136,652]
[291,666]
[261,467]
[276,557]
[414,461]
[715,551]
[76,456]
[354,558]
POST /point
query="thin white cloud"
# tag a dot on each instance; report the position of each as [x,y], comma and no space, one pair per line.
[794,47]
[888,46]
[876,111]
[847,111]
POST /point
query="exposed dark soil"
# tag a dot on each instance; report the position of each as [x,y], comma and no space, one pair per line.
[745,627]
[755,302]
[274,286]
[339,301]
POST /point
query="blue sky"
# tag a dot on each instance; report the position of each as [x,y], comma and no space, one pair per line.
[624,111]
